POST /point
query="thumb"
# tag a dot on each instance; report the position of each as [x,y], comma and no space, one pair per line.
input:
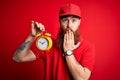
[77,45]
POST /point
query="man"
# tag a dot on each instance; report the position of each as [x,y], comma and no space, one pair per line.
[70,58]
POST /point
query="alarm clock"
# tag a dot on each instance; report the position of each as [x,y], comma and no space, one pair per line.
[44,41]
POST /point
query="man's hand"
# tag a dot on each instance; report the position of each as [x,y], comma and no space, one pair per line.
[69,43]
[36,28]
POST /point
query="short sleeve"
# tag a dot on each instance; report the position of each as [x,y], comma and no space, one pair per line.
[88,57]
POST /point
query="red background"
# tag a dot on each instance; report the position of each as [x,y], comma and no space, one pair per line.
[100,25]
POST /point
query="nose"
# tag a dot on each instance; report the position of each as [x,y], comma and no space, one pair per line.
[69,24]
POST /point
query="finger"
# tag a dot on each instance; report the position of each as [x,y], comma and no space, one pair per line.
[72,35]
[43,28]
[33,28]
[37,25]
[40,25]
[67,36]
[64,42]
[32,23]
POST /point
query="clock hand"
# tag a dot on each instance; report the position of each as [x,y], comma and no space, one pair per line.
[42,42]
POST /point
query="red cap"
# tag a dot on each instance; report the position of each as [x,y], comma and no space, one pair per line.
[70,9]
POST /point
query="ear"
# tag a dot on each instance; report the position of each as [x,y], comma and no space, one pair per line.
[80,21]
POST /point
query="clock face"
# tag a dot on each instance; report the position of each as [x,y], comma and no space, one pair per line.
[42,43]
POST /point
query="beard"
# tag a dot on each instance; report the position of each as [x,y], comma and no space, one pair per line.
[60,37]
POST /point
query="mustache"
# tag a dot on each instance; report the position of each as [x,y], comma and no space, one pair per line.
[67,29]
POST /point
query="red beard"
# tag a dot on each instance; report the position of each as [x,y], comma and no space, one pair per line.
[60,38]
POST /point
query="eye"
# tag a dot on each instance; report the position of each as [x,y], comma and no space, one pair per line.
[64,20]
[74,20]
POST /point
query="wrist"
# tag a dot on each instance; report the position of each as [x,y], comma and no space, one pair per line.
[32,35]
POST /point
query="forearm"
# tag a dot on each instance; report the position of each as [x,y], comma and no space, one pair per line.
[77,70]
[24,49]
